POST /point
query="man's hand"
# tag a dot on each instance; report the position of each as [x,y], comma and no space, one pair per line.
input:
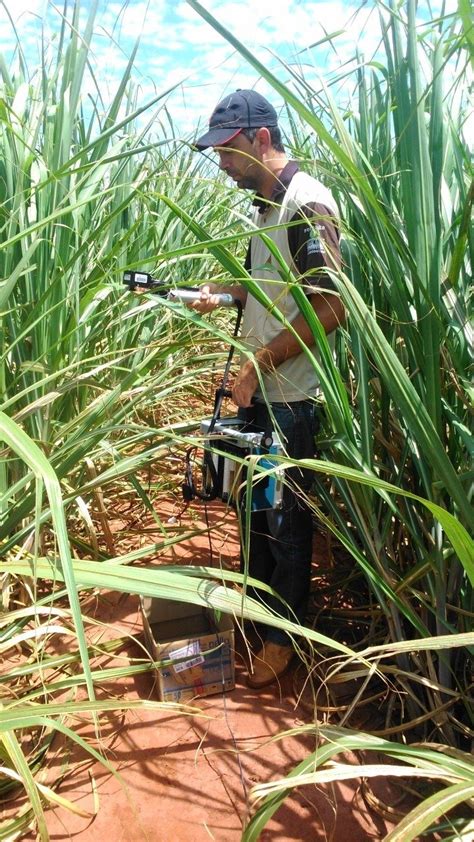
[245,385]
[209,299]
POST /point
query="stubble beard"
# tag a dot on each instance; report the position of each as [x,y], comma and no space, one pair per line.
[247,181]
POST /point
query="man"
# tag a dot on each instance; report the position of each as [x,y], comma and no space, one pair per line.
[244,132]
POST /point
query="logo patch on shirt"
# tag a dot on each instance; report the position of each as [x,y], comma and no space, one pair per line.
[314,246]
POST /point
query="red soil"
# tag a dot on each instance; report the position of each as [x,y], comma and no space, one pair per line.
[189,777]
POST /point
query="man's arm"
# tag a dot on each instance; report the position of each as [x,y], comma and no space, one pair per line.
[314,246]
[330,312]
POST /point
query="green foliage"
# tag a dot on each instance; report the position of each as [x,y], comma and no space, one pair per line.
[397,160]
[85,367]
[91,375]
[82,198]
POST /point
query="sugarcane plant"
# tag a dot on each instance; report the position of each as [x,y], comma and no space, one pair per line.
[396,157]
[85,367]
[92,381]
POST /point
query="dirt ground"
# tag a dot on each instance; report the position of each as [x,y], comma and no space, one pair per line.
[190,777]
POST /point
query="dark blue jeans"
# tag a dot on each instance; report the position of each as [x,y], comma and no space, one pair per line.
[280,545]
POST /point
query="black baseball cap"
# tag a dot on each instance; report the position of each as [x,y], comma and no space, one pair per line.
[240,110]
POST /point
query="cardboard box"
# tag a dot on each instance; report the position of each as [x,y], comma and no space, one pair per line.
[200,647]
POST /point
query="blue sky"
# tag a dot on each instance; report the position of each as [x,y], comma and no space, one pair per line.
[178,48]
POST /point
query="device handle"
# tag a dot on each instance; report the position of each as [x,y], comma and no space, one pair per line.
[225,299]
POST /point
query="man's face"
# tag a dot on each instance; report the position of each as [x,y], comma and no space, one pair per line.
[240,160]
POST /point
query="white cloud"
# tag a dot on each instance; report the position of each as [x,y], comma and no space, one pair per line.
[178,48]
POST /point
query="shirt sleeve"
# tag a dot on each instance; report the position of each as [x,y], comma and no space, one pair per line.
[314,245]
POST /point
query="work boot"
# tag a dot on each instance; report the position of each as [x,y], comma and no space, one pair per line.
[269,664]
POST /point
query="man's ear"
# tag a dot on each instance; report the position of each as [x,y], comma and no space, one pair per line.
[263,139]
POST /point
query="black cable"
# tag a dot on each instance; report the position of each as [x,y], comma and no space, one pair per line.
[189,488]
